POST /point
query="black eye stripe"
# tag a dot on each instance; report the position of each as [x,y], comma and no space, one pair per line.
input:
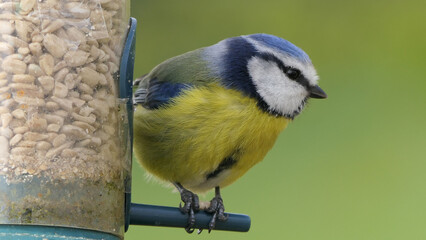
[272,58]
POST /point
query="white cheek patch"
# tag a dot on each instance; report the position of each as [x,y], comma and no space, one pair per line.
[280,93]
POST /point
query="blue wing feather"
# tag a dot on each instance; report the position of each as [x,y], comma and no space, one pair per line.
[158,93]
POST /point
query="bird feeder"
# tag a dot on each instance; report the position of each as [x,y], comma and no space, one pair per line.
[66,71]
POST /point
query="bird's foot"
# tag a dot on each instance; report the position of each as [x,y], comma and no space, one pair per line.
[190,207]
[217,208]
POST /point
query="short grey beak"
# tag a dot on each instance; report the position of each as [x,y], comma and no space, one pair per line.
[317,92]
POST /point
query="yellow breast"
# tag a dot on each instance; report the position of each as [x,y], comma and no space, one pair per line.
[187,140]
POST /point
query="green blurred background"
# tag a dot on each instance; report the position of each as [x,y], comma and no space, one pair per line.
[350,167]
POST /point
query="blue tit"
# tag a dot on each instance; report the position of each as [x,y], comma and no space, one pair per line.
[204,118]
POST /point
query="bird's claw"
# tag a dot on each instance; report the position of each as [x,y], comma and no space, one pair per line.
[190,229]
[190,201]
[218,210]
[191,205]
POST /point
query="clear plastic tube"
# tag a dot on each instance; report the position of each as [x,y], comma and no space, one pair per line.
[61,160]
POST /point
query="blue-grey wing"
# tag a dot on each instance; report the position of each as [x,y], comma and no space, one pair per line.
[168,79]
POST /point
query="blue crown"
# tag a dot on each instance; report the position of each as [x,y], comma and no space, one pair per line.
[281,45]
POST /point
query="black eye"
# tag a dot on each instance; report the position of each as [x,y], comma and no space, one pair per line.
[292,73]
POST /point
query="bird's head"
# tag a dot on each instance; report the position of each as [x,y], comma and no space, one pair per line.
[274,71]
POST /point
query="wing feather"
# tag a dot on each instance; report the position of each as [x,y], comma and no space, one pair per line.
[168,79]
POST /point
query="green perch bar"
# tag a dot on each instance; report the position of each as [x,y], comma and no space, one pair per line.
[160,216]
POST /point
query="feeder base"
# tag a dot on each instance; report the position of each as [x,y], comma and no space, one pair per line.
[31,232]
